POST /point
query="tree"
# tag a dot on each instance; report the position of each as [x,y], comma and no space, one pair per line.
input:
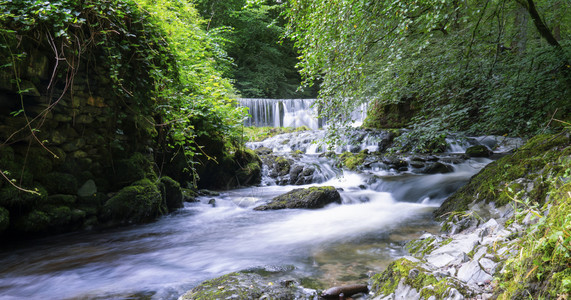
[263,65]
[449,62]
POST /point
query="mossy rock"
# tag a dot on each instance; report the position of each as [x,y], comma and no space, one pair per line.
[59,183]
[39,161]
[138,203]
[132,169]
[172,193]
[390,115]
[313,197]
[50,218]
[15,199]
[249,167]
[242,168]
[4,219]
[62,199]
[353,161]
[437,168]
[243,285]
[479,151]
[535,161]
[411,273]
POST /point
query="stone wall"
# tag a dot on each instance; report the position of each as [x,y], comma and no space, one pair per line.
[76,144]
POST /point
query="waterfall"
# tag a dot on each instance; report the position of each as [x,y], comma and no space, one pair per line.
[290,113]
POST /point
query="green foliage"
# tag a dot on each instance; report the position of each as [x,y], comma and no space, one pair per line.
[160,62]
[473,66]
[544,252]
[541,157]
[261,63]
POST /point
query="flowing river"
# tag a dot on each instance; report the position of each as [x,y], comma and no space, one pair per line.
[340,243]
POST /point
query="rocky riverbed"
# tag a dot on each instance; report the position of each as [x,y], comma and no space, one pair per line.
[480,247]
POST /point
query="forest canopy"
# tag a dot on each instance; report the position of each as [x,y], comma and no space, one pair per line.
[478,66]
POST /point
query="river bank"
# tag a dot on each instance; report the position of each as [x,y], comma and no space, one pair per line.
[487,247]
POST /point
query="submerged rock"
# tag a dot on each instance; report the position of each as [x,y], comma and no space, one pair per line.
[313,197]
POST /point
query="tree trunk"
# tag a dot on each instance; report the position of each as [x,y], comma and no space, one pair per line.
[539,24]
[521,19]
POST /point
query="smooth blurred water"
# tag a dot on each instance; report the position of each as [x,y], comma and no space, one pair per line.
[340,243]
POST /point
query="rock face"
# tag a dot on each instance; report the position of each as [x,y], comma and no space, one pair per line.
[487,240]
[313,197]
[242,168]
[449,266]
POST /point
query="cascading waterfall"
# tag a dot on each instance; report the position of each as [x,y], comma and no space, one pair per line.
[290,113]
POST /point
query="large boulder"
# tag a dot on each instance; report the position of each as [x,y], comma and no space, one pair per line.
[138,203]
[313,197]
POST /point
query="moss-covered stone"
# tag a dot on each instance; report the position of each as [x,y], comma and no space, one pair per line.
[478,151]
[138,203]
[134,168]
[61,199]
[246,285]
[59,183]
[50,218]
[390,115]
[353,161]
[15,199]
[538,158]
[242,168]
[411,273]
[541,270]
[313,197]
[172,193]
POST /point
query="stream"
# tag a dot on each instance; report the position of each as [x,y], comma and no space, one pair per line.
[383,206]
[341,243]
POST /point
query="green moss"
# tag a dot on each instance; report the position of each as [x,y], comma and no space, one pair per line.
[414,275]
[172,193]
[390,115]
[50,218]
[61,199]
[15,199]
[135,168]
[224,287]
[257,134]
[353,161]
[138,203]
[60,183]
[535,161]
[541,271]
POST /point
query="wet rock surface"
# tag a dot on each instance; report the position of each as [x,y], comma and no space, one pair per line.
[313,197]
[250,284]
[452,265]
